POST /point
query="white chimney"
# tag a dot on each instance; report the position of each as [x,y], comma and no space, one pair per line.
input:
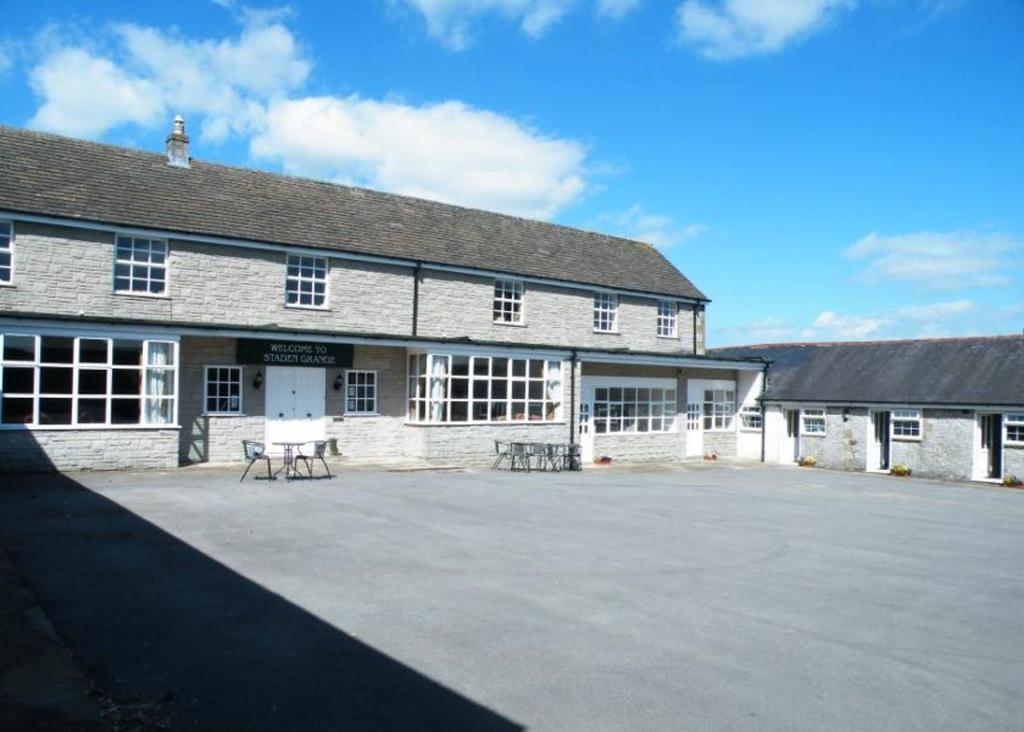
[177,144]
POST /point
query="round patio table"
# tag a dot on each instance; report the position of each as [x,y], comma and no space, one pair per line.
[290,471]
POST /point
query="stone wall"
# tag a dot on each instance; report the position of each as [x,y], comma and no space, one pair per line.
[454,305]
[843,446]
[42,450]
[1013,461]
[473,445]
[946,447]
[642,447]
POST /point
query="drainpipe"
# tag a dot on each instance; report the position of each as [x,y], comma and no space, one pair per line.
[416,298]
[572,398]
[764,408]
[695,306]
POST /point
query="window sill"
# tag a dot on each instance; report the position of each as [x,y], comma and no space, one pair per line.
[223,414]
[8,284]
[903,438]
[84,427]
[144,295]
[669,338]
[357,415]
[505,322]
[537,423]
[814,434]
[320,308]
[606,332]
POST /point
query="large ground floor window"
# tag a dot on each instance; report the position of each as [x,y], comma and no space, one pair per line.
[634,408]
[86,381]
[455,388]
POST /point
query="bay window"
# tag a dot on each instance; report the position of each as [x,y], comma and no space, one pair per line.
[446,388]
[65,380]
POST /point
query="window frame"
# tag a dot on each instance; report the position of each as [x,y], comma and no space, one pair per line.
[917,419]
[1015,420]
[9,249]
[109,367]
[804,432]
[375,412]
[166,266]
[720,420]
[240,412]
[671,317]
[749,411]
[517,288]
[299,279]
[627,406]
[606,304]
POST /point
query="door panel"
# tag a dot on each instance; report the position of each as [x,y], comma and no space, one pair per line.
[295,405]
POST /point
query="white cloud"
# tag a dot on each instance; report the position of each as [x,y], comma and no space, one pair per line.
[940,260]
[732,28]
[849,326]
[451,21]
[657,229]
[447,151]
[150,74]
[6,62]
[616,9]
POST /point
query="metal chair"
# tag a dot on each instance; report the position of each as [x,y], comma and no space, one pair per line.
[519,453]
[555,456]
[254,452]
[319,453]
[503,450]
[539,452]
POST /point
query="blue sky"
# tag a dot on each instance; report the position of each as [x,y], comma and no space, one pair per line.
[822,169]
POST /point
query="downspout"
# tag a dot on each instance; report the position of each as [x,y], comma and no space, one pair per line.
[416,299]
[572,398]
[764,408]
[695,306]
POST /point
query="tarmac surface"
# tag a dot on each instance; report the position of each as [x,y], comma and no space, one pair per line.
[751,598]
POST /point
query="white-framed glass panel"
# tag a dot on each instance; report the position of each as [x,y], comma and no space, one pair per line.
[906,423]
[812,421]
[457,388]
[6,252]
[508,301]
[360,392]
[634,408]
[668,316]
[719,409]
[140,265]
[306,281]
[693,416]
[223,390]
[606,312]
[750,417]
[1014,424]
[56,380]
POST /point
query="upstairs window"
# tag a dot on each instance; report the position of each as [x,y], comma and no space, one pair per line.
[751,418]
[719,409]
[668,313]
[140,266]
[6,253]
[306,283]
[508,301]
[812,422]
[360,392]
[606,312]
[906,423]
[1014,429]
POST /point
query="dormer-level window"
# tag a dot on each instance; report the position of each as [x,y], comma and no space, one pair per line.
[6,253]
[508,301]
[306,283]
[140,266]
[606,312]
[668,312]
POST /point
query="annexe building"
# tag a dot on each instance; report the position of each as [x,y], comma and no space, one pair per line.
[948,408]
[156,310]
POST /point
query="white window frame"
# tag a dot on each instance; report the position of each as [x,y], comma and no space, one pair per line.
[628,406]
[815,413]
[749,412]
[240,411]
[429,392]
[9,250]
[1016,421]
[373,411]
[668,319]
[908,416]
[299,279]
[78,366]
[149,264]
[606,312]
[507,294]
[722,415]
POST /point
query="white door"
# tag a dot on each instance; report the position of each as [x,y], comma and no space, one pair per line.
[694,412]
[586,437]
[988,447]
[295,405]
[879,440]
[789,447]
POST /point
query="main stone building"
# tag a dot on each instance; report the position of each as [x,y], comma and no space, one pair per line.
[156,310]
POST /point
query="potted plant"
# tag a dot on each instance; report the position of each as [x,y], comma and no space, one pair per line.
[807,461]
[901,471]
[1012,481]
[711,456]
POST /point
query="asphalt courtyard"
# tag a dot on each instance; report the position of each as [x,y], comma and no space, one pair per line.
[698,599]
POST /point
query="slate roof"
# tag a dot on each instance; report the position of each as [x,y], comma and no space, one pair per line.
[63,177]
[979,371]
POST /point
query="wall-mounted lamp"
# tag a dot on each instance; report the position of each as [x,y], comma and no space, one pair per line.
[846,414]
[339,382]
[257,380]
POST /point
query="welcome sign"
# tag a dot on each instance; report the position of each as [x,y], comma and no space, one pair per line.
[293,353]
